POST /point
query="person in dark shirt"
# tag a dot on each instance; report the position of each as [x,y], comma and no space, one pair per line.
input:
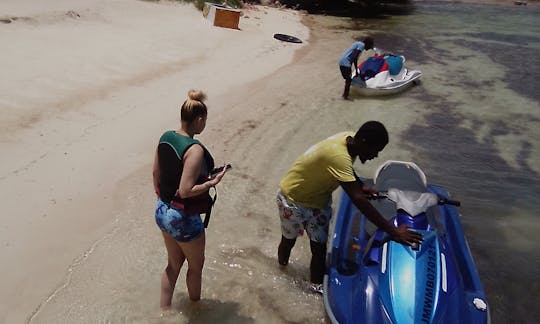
[179,165]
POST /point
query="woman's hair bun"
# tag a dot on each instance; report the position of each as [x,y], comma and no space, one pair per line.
[194,106]
[196,95]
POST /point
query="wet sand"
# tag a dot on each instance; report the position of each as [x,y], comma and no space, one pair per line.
[91,86]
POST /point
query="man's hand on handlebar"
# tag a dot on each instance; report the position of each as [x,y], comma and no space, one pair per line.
[404,236]
[369,192]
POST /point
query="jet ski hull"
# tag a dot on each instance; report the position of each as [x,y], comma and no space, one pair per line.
[389,81]
[372,279]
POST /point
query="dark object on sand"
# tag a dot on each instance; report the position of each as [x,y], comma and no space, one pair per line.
[287,38]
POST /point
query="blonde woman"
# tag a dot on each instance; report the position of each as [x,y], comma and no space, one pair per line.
[181,171]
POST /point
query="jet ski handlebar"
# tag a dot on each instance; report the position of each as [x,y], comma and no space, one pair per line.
[440,200]
[444,201]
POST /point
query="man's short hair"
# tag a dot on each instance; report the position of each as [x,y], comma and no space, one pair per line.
[373,133]
[368,42]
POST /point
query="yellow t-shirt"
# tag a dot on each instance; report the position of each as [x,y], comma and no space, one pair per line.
[317,173]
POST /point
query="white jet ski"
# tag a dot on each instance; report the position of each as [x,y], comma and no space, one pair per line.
[375,80]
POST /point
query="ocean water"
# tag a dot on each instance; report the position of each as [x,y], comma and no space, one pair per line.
[473,126]
[478,133]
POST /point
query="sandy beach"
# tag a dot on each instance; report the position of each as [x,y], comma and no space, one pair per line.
[88,88]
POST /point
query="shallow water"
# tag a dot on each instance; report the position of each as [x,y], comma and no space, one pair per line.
[478,134]
[472,126]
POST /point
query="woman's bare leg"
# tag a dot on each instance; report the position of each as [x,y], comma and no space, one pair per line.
[194,252]
[170,275]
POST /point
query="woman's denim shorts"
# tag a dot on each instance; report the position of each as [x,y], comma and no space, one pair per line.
[182,227]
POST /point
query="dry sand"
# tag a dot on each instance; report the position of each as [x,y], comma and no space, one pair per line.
[88,87]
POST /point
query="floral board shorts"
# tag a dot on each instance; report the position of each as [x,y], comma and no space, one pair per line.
[295,218]
[182,227]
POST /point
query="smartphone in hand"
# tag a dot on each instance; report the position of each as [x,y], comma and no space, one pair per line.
[218,170]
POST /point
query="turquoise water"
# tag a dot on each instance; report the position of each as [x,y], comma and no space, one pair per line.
[478,129]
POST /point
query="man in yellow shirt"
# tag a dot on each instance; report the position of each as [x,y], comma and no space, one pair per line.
[305,197]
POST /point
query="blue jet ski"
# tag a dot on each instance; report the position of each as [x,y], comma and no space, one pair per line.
[372,279]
